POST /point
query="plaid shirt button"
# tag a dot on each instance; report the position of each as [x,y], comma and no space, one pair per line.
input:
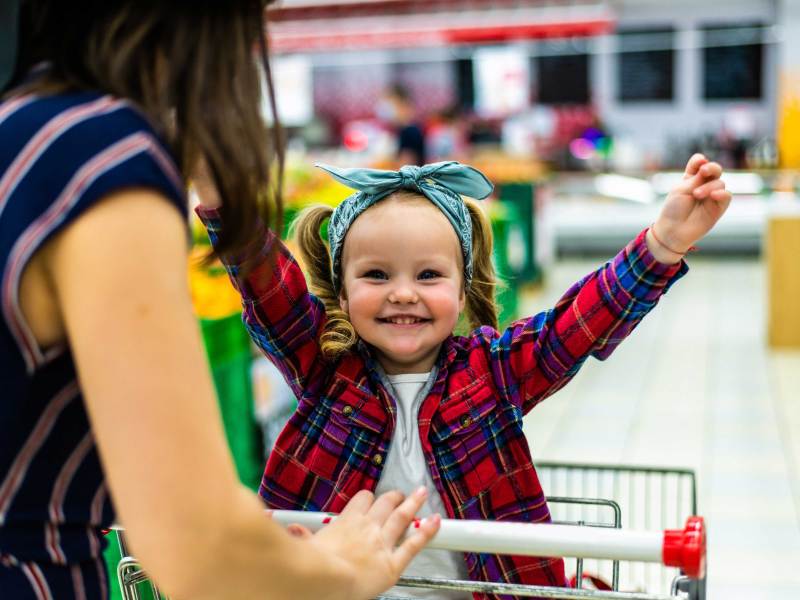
[466,421]
[377,460]
[347,411]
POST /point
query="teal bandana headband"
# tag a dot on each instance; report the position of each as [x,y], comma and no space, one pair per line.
[442,183]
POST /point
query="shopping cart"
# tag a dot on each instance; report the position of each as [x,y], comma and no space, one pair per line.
[647,498]
[606,529]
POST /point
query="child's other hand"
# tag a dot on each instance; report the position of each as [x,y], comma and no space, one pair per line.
[692,208]
[204,185]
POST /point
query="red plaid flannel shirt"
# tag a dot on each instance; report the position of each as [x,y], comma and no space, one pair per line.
[471,421]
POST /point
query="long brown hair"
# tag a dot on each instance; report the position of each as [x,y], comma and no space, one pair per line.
[190,67]
[338,335]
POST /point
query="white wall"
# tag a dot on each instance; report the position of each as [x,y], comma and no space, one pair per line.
[789,19]
[654,124]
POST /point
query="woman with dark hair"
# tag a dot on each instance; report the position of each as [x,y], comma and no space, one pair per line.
[109,108]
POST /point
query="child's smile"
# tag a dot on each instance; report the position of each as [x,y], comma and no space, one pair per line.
[404,320]
[402,281]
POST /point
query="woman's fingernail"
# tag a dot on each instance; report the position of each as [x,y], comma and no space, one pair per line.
[421,491]
[433,519]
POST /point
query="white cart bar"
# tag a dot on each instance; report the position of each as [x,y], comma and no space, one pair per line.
[685,549]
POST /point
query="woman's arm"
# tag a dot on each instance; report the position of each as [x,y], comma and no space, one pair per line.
[119,274]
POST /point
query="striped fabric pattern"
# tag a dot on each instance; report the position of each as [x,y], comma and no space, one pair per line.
[471,421]
[59,155]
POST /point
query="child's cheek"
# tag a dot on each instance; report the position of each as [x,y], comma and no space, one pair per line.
[364,302]
[444,300]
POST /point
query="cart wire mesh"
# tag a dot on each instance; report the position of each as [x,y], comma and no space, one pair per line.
[648,498]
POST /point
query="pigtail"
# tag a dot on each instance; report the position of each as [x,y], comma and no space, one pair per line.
[338,335]
[481,307]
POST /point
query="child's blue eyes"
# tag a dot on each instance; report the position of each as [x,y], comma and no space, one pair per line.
[378,274]
[428,274]
[375,274]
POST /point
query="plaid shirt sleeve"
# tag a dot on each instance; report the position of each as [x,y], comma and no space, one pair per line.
[535,357]
[282,317]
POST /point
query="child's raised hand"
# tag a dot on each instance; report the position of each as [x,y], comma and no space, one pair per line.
[692,208]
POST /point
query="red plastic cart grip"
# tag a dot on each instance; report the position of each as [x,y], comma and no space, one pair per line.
[686,548]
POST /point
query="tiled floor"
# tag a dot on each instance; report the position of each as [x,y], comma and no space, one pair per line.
[695,386]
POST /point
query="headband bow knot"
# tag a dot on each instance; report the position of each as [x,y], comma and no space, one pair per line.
[409,176]
[442,183]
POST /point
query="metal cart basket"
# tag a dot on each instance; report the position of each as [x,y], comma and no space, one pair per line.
[597,506]
[647,497]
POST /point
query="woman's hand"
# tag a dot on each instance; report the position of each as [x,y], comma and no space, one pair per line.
[363,540]
[692,208]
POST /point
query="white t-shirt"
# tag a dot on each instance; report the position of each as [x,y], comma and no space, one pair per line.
[405,470]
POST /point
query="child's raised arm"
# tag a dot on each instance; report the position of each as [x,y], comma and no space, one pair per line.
[535,357]
[282,317]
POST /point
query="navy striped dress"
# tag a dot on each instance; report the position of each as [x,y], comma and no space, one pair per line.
[59,155]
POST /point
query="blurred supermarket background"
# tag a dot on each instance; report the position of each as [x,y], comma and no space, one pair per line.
[583,113]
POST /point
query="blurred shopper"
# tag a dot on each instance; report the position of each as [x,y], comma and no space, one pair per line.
[107,401]
[446,136]
[396,108]
[388,396]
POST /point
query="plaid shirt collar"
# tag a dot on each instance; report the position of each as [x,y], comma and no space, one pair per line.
[447,354]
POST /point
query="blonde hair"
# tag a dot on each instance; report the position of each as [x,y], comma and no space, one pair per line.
[338,335]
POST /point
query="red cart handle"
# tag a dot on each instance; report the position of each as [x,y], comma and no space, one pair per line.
[686,548]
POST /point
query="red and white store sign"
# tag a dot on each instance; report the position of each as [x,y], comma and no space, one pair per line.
[284,40]
[413,23]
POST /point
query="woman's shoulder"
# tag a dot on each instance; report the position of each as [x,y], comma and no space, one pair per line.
[36,105]
[81,120]
[78,147]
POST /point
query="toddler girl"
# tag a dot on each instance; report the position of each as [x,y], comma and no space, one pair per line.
[388,396]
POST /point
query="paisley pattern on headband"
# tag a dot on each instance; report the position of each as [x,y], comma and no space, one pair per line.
[442,183]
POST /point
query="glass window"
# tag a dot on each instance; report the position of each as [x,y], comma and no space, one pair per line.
[646,65]
[562,69]
[465,83]
[733,62]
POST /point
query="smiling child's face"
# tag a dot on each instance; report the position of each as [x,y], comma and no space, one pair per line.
[403,283]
